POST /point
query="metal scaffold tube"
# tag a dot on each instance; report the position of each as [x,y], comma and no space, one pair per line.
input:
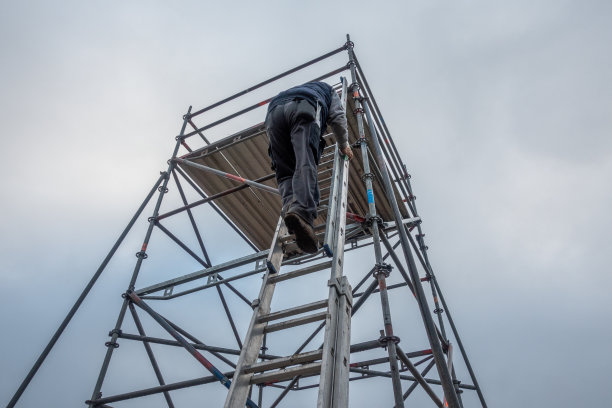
[268,81]
[381,271]
[443,372]
[112,344]
[250,108]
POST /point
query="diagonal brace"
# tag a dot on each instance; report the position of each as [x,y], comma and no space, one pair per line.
[229,176]
[207,364]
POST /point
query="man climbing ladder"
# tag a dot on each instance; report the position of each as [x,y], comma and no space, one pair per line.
[296,121]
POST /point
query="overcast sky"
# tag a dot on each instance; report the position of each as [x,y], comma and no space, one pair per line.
[501,111]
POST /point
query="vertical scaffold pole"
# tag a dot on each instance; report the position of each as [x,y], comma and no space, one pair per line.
[142,255]
[381,270]
[436,347]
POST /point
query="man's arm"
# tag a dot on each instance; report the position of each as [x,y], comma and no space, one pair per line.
[336,118]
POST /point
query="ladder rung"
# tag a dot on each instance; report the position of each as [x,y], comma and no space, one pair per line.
[294,311]
[322,208]
[283,362]
[300,272]
[295,322]
[287,238]
[288,373]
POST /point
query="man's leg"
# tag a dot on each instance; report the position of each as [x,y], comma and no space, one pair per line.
[305,140]
[281,153]
[289,128]
[285,188]
[302,209]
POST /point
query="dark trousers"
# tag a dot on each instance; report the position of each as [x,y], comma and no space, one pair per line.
[295,151]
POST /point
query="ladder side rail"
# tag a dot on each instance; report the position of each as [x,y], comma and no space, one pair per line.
[328,242]
[329,343]
[340,391]
[239,390]
[343,330]
[333,197]
[333,384]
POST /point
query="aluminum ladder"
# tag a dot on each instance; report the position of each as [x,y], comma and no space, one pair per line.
[332,360]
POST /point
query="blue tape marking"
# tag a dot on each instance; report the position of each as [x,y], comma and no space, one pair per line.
[271,267]
[370,196]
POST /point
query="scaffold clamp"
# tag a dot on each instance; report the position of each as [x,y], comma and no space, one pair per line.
[366,176]
[141,255]
[118,332]
[370,220]
[384,340]
[382,268]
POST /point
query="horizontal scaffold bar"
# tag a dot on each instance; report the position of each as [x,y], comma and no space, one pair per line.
[203,273]
[372,373]
[268,81]
[219,281]
[255,106]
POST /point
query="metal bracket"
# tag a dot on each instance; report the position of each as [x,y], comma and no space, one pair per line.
[335,284]
[366,176]
[383,268]
[386,339]
[342,288]
[421,242]
[271,267]
[255,303]
[141,255]
[168,291]
[370,221]
[365,367]
[212,278]
[118,332]
[406,174]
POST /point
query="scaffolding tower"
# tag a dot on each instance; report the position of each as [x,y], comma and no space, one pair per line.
[303,343]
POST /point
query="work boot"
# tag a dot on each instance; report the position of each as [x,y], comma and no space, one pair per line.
[304,233]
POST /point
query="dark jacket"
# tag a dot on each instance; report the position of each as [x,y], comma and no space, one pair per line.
[323,95]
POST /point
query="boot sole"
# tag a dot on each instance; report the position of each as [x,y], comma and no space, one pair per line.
[303,235]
